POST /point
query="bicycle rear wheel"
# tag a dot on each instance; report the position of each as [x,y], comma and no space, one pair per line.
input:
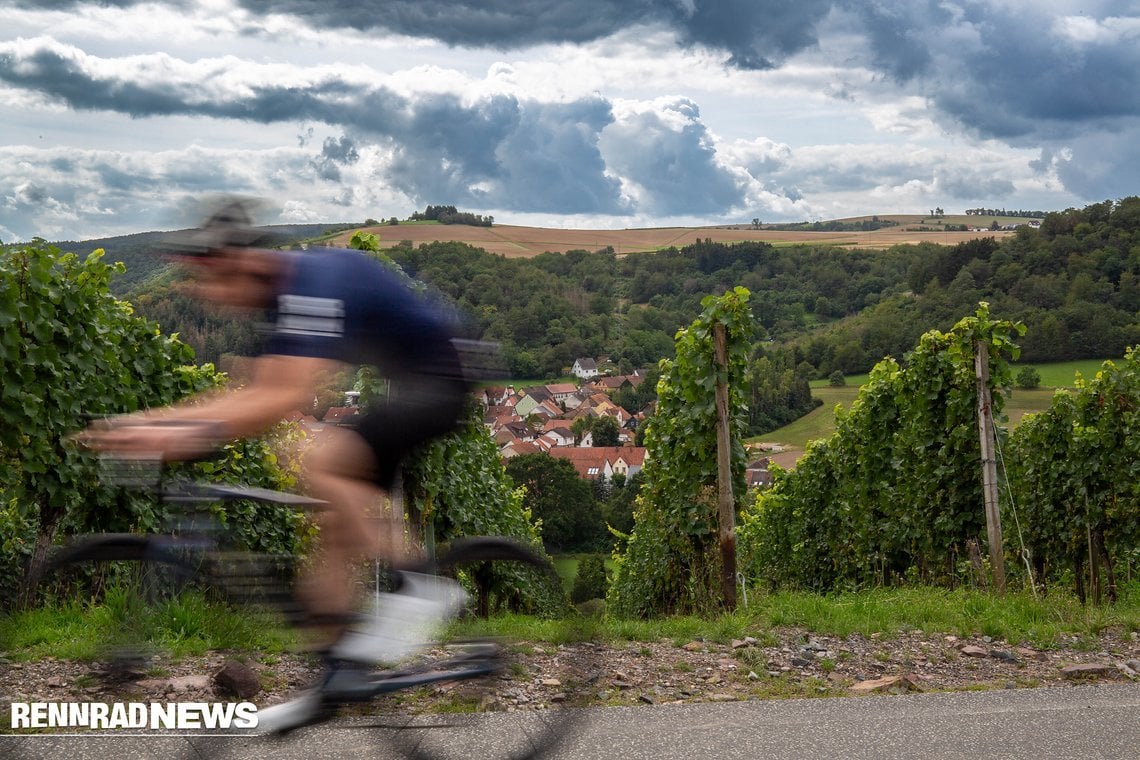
[510,712]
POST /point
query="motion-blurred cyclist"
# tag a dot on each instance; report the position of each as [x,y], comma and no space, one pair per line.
[327,308]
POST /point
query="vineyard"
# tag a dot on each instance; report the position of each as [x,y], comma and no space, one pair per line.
[895,493]
[893,496]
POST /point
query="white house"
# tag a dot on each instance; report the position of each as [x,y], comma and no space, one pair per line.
[585,368]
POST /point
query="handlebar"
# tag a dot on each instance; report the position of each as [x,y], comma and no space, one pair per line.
[143,470]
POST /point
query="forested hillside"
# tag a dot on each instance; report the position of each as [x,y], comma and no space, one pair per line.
[1075,283]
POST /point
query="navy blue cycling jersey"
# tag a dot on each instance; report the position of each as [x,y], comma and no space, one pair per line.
[339,304]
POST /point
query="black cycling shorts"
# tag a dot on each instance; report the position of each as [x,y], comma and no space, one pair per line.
[417,411]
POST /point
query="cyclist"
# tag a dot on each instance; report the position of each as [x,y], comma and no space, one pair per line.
[327,308]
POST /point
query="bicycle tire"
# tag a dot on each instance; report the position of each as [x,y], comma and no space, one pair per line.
[133,576]
[481,726]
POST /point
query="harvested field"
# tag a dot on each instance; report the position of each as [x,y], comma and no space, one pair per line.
[522,242]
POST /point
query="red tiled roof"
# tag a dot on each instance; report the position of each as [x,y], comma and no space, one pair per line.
[585,458]
[524,447]
[557,388]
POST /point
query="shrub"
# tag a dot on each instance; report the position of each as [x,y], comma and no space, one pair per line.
[590,582]
[1028,378]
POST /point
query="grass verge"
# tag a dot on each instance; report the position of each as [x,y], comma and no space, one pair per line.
[193,625]
[1016,617]
[187,625]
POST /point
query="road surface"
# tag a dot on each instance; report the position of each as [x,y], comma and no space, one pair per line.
[1085,722]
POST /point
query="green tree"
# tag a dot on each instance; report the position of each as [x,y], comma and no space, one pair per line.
[1028,378]
[618,507]
[635,399]
[560,499]
[777,394]
[606,430]
[590,581]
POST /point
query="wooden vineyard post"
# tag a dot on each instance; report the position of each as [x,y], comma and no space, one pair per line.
[725,502]
[989,466]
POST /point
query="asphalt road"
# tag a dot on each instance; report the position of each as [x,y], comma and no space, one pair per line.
[1085,722]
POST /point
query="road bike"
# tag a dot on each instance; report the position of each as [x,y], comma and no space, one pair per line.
[446,702]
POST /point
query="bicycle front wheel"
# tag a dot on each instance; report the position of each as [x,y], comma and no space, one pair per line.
[511,709]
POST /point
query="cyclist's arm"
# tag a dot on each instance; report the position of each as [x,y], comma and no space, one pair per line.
[281,384]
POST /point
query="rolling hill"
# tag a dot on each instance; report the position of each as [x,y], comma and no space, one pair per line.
[522,242]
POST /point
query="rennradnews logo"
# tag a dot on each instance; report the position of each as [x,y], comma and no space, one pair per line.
[134,715]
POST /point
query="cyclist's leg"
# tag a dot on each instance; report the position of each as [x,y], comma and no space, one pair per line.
[338,471]
[341,472]
[350,470]
[405,621]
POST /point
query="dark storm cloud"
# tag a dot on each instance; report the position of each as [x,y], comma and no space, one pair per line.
[1023,74]
[335,153]
[1026,81]
[754,33]
[66,5]
[1019,72]
[497,152]
[896,34]
[507,153]
[552,162]
[482,23]
[757,35]
[1003,70]
[1100,166]
[62,76]
[1008,71]
[1017,59]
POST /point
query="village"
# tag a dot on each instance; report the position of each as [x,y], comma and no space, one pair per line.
[559,419]
[555,419]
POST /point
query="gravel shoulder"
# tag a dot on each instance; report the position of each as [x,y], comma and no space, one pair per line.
[781,663]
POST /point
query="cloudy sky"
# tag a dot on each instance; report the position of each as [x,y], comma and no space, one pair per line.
[566,113]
